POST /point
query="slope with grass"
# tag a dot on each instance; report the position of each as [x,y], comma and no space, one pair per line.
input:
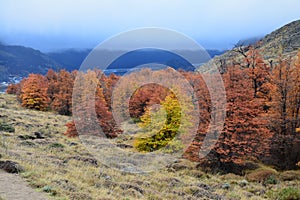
[62,168]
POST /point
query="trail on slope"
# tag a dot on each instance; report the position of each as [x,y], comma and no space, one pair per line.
[13,187]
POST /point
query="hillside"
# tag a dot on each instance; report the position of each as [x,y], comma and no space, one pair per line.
[69,59]
[20,61]
[64,169]
[284,41]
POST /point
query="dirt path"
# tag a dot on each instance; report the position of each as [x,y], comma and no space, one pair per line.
[13,187]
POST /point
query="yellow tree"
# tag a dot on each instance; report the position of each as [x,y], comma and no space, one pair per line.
[161,125]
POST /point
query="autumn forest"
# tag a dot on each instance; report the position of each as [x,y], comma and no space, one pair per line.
[262,122]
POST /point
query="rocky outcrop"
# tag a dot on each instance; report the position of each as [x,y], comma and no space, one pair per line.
[10,167]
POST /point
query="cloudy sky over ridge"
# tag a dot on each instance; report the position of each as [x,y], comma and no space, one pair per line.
[55,24]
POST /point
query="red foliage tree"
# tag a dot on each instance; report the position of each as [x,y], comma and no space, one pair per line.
[258,71]
[53,85]
[62,89]
[13,89]
[84,106]
[144,97]
[284,114]
[245,135]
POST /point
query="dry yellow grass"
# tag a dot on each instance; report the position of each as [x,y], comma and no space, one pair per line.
[63,168]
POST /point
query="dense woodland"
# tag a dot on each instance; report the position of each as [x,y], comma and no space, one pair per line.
[262,115]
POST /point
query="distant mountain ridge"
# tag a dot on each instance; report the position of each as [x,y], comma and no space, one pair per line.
[71,59]
[16,60]
[20,61]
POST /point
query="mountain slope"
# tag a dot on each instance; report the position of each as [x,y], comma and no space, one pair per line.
[284,41]
[20,61]
[70,59]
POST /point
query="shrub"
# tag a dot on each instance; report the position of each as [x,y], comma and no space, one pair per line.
[6,127]
[289,193]
[290,175]
[262,175]
[271,180]
[50,190]
[56,145]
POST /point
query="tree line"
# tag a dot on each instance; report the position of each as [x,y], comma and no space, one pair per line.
[262,120]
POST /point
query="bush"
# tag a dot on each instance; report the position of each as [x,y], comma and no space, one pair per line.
[289,193]
[49,189]
[56,145]
[262,176]
[6,127]
[271,180]
[290,175]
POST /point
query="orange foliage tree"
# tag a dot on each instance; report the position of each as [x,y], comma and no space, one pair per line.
[34,92]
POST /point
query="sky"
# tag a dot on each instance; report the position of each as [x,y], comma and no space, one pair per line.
[50,25]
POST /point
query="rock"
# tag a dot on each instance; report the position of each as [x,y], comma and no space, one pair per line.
[174,182]
[204,186]
[38,135]
[73,144]
[200,193]
[27,143]
[226,186]
[105,177]
[144,183]
[26,137]
[125,146]
[195,173]
[243,183]
[249,195]
[262,192]
[108,178]
[126,186]
[180,164]
[89,160]
[109,184]
[11,167]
